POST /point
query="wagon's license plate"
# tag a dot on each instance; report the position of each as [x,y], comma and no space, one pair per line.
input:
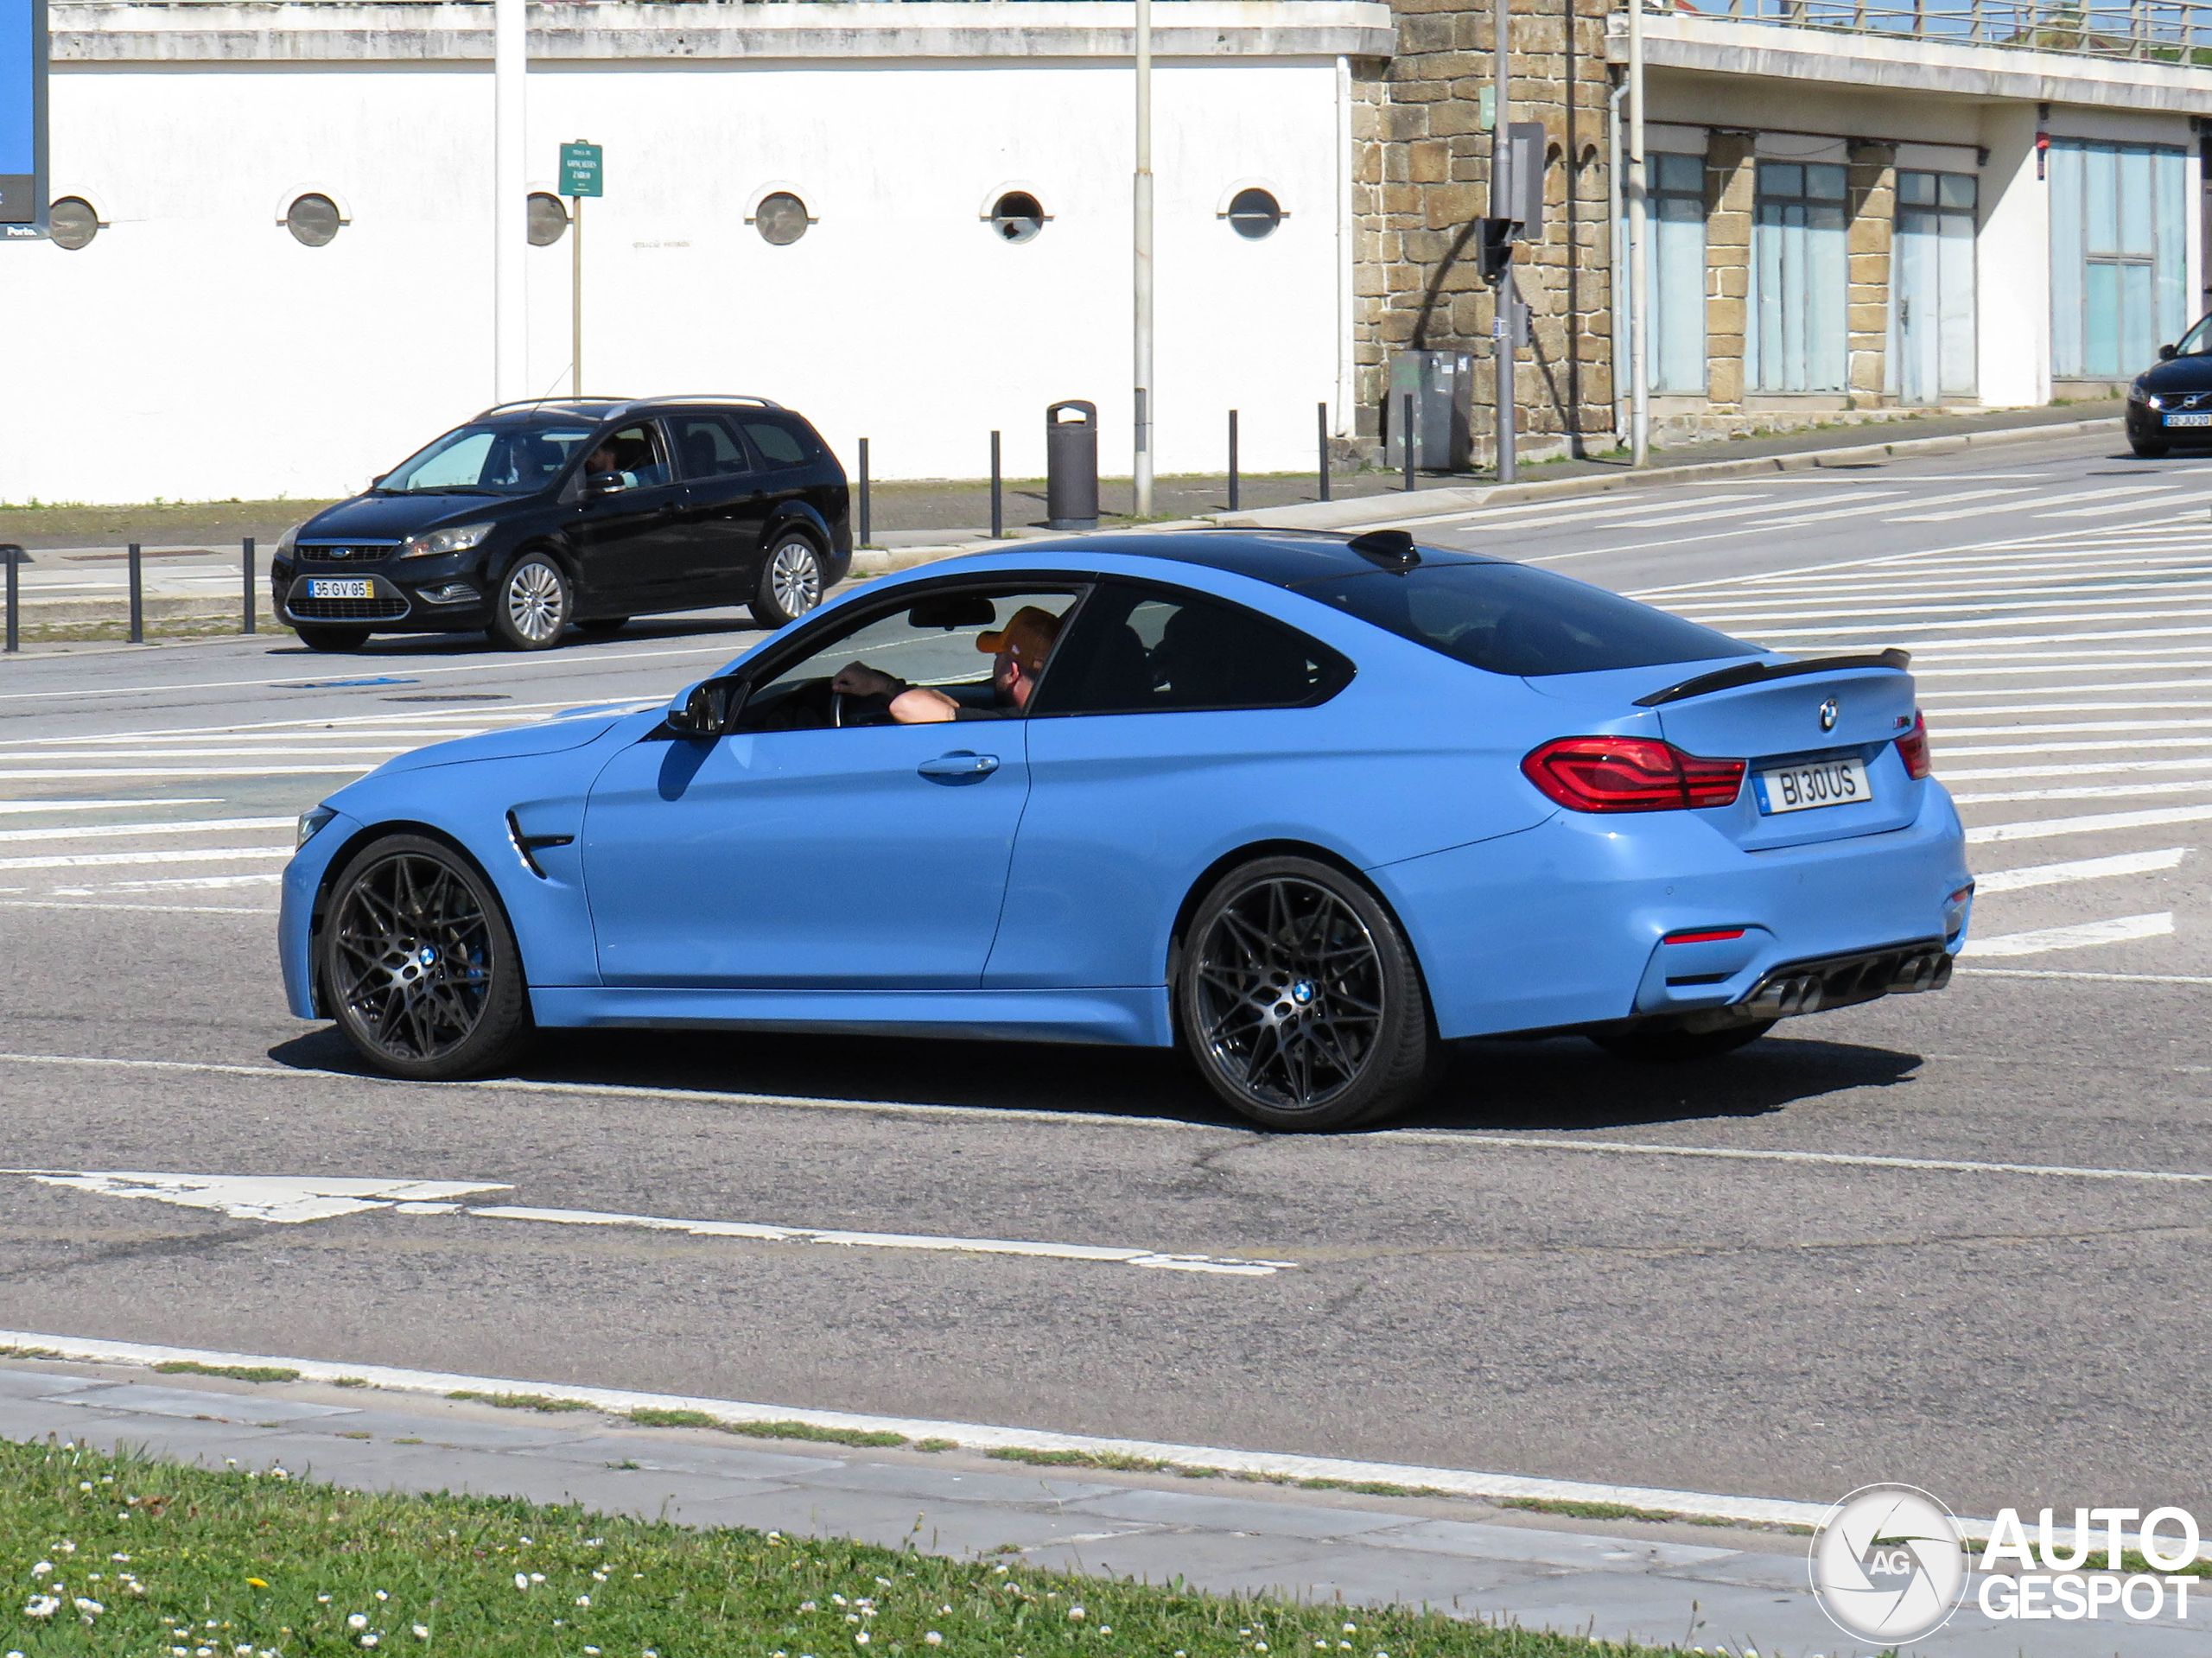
[2190,420]
[1816,783]
[325,587]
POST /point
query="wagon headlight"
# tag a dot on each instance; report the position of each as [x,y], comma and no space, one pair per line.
[285,541]
[459,539]
[310,823]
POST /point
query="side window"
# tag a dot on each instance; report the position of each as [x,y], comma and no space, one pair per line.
[780,440]
[706,447]
[1142,650]
[637,453]
[952,642]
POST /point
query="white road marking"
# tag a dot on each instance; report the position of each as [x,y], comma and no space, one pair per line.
[141,909]
[1940,643]
[2120,506]
[2060,727]
[2133,686]
[979,1435]
[2107,746]
[192,826]
[2054,973]
[171,854]
[11,806]
[285,1201]
[2052,875]
[50,774]
[194,751]
[289,1200]
[2117,930]
[324,1080]
[187,883]
[1188,1263]
[2039,829]
[2073,768]
[2084,792]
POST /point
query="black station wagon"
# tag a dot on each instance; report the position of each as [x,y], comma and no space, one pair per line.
[587,510]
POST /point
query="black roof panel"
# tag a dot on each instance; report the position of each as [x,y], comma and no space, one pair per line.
[1283,558]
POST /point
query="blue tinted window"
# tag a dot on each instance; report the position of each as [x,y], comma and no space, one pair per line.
[1509,619]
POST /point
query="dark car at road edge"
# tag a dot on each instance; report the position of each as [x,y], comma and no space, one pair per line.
[536,516]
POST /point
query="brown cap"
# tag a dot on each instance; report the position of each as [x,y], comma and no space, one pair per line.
[1029,634]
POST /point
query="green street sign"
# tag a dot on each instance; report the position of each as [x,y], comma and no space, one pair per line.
[582,170]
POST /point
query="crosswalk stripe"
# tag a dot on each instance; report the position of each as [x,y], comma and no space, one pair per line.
[2041,829]
[2119,930]
[49,772]
[2084,792]
[2079,768]
[168,854]
[12,806]
[200,826]
[2052,875]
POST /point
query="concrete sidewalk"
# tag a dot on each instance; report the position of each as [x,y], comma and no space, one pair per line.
[1671,1583]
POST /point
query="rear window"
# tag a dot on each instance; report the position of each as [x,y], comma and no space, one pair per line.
[781,440]
[1509,619]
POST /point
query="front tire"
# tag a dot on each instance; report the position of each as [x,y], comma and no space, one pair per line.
[2145,451]
[533,605]
[1300,1001]
[1673,1047]
[418,965]
[791,580]
[326,638]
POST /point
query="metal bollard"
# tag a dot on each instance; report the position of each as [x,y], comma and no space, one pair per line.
[12,556]
[1232,460]
[250,595]
[1412,448]
[137,598]
[1071,466]
[864,524]
[1321,426]
[998,511]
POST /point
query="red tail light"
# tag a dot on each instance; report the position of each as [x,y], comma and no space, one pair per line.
[1912,748]
[1629,774]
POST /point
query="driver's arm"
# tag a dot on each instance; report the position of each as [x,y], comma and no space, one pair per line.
[925,705]
[858,679]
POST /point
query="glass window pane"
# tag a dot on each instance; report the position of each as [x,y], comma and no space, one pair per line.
[1682,175]
[2102,318]
[1150,651]
[2138,344]
[2068,212]
[1916,189]
[1781,179]
[2134,199]
[1824,183]
[707,449]
[2170,227]
[2100,196]
[1957,189]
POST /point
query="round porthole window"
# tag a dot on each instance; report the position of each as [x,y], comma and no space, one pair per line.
[1017,216]
[71,223]
[780,218]
[549,219]
[1253,213]
[313,221]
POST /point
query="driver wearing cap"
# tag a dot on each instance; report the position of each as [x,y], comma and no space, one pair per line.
[1017,652]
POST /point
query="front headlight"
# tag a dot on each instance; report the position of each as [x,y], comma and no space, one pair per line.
[284,542]
[310,822]
[459,539]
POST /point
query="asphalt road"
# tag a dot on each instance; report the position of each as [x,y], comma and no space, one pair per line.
[1488,1285]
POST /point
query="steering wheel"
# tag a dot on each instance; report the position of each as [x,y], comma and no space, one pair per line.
[837,708]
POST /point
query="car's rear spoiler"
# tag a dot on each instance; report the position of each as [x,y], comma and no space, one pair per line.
[1753,673]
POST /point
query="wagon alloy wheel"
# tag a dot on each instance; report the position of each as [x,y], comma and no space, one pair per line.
[533,606]
[791,582]
[418,965]
[1300,1000]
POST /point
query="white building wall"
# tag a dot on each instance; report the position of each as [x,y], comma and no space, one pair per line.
[2012,263]
[196,351]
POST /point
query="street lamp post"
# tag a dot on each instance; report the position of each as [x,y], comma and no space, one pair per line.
[509,201]
[1639,264]
[1142,469]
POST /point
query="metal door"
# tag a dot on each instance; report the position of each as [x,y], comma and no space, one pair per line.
[1932,287]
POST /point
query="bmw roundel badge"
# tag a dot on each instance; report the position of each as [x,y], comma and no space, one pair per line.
[1829,711]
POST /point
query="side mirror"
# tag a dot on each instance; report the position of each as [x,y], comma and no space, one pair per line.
[379,479]
[707,708]
[598,484]
[2167,354]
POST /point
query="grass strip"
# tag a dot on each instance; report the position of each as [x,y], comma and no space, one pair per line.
[649,1417]
[521,1400]
[126,1556]
[232,1372]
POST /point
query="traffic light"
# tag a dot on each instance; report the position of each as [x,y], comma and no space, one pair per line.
[1497,255]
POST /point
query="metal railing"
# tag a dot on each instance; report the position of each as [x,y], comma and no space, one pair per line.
[2152,31]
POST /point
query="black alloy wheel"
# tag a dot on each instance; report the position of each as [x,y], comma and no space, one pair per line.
[532,608]
[418,965]
[1300,999]
[1673,1047]
[325,637]
[791,581]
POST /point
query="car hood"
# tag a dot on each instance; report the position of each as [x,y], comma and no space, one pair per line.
[393,517]
[548,737]
[2192,374]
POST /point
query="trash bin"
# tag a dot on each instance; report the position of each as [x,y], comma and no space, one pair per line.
[1071,466]
[1442,385]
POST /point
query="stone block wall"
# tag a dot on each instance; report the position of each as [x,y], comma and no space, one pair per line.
[1421,179]
[1730,176]
[1870,192]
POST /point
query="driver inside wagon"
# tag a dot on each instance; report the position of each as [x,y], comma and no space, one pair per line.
[1017,652]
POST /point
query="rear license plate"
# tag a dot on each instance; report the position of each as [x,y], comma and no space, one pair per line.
[1816,783]
[325,587]
[2190,420]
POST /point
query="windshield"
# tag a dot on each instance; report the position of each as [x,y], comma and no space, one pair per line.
[2198,342]
[502,459]
[1509,619]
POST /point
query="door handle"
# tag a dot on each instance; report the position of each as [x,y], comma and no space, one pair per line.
[960,767]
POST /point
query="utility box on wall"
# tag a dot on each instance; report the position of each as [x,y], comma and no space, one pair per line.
[1441,385]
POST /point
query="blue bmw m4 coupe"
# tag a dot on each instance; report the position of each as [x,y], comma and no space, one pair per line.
[1312,808]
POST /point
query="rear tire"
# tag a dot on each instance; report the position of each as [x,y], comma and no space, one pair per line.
[791,580]
[418,965]
[1300,1001]
[1673,1047]
[532,607]
[2147,451]
[324,637]
[602,625]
